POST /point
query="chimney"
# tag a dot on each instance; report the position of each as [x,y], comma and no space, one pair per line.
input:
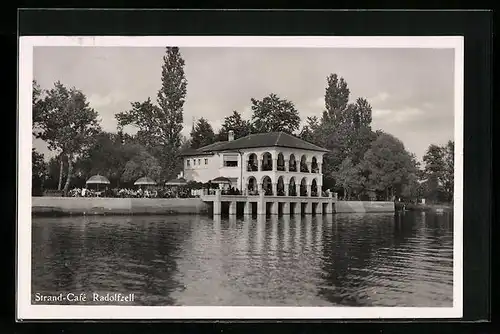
[230,135]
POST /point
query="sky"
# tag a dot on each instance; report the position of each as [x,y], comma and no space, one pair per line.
[411,91]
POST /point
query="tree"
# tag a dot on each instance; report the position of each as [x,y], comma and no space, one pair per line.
[439,171]
[272,114]
[160,126]
[345,128]
[237,124]
[141,164]
[412,189]
[310,131]
[433,171]
[105,157]
[348,177]
[336,99]
[202,134]
[66,122]
[447,177]
[38,172]
[387,165]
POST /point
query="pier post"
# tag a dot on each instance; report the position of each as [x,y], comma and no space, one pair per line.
[286,208]
[274,208]
[319,209]
[261,204]
[308,209]
[247,211]
[329,207]
[298,209]
[217,203]
[232,208]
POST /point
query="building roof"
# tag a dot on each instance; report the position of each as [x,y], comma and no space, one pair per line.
[257,140]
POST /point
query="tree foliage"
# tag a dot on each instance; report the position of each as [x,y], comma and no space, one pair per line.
[310,130]
[141,164]
[448,178]
[160,125]
[119,157]
[38,172]
[202,134]
[348,176]
[439,172]
[236,123]
[344,128]
[336,99]
[272,114]
[66,122]
[387,166]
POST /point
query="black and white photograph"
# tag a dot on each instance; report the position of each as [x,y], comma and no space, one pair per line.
[222,177]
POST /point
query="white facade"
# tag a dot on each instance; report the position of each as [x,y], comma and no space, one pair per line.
[267,169]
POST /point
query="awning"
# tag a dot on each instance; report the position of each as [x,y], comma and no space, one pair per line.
[230,157]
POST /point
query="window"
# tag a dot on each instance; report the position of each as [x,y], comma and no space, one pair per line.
[206,161]
[188,163]
[199,161]
[230,160]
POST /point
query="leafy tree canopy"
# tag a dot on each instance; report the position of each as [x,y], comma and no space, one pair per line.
[202,134]
[236,123]
[272,114]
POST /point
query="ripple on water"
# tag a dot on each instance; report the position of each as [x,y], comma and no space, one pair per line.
[350,260]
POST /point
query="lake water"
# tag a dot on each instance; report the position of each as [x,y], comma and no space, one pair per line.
[400,259]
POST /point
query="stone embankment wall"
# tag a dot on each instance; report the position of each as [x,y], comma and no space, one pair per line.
[363,206]
[116,206]
[161,206]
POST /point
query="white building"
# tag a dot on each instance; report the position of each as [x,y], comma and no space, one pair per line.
[276,163]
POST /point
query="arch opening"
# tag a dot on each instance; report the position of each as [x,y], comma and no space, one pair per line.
[267,186]
[280,163]
[267,162]
[292,164]
[280,187]
[314,188]
[252,186]
[253,164]
[292,188]
[314,165]
[303,187]
[303,165]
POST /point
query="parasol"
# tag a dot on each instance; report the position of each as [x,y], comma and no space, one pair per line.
[145,181]
[176,182]
[221,180]
[97,179]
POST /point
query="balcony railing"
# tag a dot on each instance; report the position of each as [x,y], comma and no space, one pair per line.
[280,168]
[292,168]
[267,167]
[252,168]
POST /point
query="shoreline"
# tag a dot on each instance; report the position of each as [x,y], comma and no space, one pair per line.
[99,206]
[425,207]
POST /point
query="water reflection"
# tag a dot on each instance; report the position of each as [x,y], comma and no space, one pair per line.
[401,259]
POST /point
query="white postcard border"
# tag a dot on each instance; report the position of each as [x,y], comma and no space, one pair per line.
[27,311]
